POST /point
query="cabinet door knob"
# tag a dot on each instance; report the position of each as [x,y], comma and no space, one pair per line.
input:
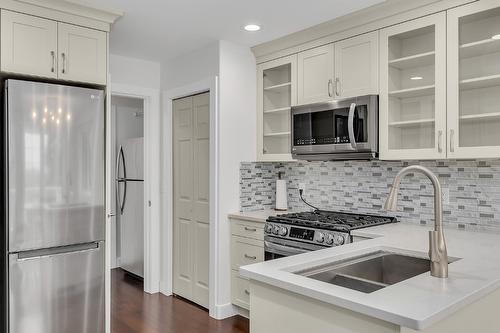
[250,229]
[250,257]
[330,88]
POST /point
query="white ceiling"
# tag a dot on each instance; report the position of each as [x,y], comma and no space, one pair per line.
[164,29]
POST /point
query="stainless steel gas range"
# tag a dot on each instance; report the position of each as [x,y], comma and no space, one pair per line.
[296,233]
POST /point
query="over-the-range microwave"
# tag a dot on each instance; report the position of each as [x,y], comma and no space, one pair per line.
[344,129]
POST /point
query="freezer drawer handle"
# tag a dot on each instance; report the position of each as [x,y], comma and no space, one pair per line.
[25,255]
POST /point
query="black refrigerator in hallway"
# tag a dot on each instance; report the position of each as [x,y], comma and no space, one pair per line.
[53,228]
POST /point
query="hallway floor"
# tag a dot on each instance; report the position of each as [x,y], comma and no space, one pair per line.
[133,311]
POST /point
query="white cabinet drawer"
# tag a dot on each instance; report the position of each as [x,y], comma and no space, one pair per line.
[245,251]
[240,290]
[247,229]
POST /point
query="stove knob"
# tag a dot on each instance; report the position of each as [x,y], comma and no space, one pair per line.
[338,240]
[283,231]
[276,229]
[320,238]
[269,228]
[329,239]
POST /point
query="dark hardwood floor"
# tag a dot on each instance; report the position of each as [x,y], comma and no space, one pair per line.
[133,311]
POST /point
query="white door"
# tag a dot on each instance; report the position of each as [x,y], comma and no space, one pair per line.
[29,45]
[315,75]
[474,80]
[82,54]
[356,66]
[191,192]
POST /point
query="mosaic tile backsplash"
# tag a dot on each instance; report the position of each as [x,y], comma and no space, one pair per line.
[362,186]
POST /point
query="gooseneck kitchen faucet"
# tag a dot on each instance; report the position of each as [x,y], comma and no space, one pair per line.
[437,245]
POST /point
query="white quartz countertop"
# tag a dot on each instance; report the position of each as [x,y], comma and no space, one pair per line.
[257,215]
[416,303]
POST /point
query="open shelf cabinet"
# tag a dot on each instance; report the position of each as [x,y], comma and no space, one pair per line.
[277,93]
[474,80]
[413,89]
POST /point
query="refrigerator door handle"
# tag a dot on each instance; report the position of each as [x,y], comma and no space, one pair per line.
[35,254]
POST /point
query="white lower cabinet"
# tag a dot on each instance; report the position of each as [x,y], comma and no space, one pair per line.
[247,247]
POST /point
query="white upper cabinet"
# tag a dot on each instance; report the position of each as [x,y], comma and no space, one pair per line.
[36,46]
[276,94]
[474,81]
[29,45]
[412,116]
[356,66]
[315,75]
[82,54]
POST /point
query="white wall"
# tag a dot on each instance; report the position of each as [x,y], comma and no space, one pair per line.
[236,123]
[193,67]
[134,72]
[237,143]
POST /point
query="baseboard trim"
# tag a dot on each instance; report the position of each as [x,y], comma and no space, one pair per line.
[165,289]
[224,311]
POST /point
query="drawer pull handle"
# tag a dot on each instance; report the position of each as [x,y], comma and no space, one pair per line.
[250,257]
[247,292]
[250,229]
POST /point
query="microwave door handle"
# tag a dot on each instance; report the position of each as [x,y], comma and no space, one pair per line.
[350,126]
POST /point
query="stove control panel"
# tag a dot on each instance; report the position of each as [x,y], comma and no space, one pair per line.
[309,235]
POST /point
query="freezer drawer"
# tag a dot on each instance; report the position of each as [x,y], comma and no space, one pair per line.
[55,144]
[53,292]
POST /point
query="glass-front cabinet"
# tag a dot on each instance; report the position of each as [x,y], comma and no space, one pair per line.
[277,93]
[413,89]
[474,80]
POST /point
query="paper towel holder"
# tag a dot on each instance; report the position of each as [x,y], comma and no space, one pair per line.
[281,193]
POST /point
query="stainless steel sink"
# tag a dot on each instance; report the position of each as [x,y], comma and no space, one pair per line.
[370,272]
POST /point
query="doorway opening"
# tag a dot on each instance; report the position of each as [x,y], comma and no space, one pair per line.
[127,150]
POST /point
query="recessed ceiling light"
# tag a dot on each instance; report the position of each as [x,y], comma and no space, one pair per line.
[416,78]
[496,36]
[252,27]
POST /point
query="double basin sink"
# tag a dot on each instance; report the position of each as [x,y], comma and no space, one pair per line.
[370,272]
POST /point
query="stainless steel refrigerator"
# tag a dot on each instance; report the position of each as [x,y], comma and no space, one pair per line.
[54,208]
[130,197]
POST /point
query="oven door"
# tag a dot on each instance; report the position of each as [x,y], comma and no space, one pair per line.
[342,126]
[286,248]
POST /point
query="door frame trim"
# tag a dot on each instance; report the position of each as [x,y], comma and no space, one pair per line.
[209,84]
[151,98]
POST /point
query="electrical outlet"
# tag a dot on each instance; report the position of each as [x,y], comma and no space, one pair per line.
[302,186]
[446,196]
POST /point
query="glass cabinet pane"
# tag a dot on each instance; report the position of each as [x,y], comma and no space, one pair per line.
[479,79]
[411,89]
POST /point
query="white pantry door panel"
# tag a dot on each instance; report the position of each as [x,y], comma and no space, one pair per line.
[201,109]
[82,54]
[29,45]
[183,197]
[315,75]
[191,195]
[356,66]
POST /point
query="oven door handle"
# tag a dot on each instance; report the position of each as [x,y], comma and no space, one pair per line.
[350,126]
[283,250]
